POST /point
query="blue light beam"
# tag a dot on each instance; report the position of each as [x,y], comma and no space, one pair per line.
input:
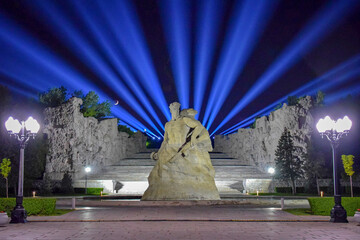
[104,40]
[208,21]
[81,45]
[126,27]
[317,28]
[49,67]
[331,79]
[176,21]
[247,24]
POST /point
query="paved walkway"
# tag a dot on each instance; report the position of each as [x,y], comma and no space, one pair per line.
[179,222]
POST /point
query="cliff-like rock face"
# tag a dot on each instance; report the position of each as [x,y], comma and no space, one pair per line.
[257,146]
[75,141]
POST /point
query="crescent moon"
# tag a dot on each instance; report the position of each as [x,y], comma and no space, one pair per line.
[117,102]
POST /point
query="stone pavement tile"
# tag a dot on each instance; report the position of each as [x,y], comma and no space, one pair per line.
[179,213]
[127,229]
[179,230]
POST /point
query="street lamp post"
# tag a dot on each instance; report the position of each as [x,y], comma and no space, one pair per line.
[87,170]
[333,132]
[22,132]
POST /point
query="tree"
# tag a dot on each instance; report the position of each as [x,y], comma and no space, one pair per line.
[314,164]
[66,184]
[278,106]
[292,100]
[91,106]
[288,166]
[53,97]
[348,162]
[123,128]
[46,186]
[5,168]
[319,101]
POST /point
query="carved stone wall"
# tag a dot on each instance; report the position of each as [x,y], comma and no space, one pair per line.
[257,146]
[75,141]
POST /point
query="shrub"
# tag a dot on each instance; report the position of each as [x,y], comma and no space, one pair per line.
[53,97]
[90,191]
[66,184]
[289,190]
[323,206]
[33,206]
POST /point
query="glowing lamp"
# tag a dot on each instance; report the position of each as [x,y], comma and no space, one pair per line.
[13,126]
[271,170]
[88,169]
[327,124]
[32,125]
[334,131]
[17,129]
[343,125]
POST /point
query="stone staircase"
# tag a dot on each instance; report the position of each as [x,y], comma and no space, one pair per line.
[132,172]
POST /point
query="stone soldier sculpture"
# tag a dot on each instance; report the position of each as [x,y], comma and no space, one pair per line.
[183,170]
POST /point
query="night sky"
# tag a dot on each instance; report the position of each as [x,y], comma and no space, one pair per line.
[339,43]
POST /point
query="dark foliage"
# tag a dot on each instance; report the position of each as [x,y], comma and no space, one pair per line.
[123,128]
[288,166]
[66,184]
[292,100]
[313,166]
[53,97]
[91,106]
[33,206]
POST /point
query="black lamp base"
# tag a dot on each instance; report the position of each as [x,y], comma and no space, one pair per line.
[18,214]
[338,213]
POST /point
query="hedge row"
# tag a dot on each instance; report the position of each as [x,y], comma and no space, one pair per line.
[289,190]
[90,191]
[33,206]
[323,206]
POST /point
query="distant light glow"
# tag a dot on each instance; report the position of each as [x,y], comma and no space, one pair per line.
[271,170]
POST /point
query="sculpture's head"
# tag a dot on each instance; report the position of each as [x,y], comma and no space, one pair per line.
[174,109]
[189,112]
